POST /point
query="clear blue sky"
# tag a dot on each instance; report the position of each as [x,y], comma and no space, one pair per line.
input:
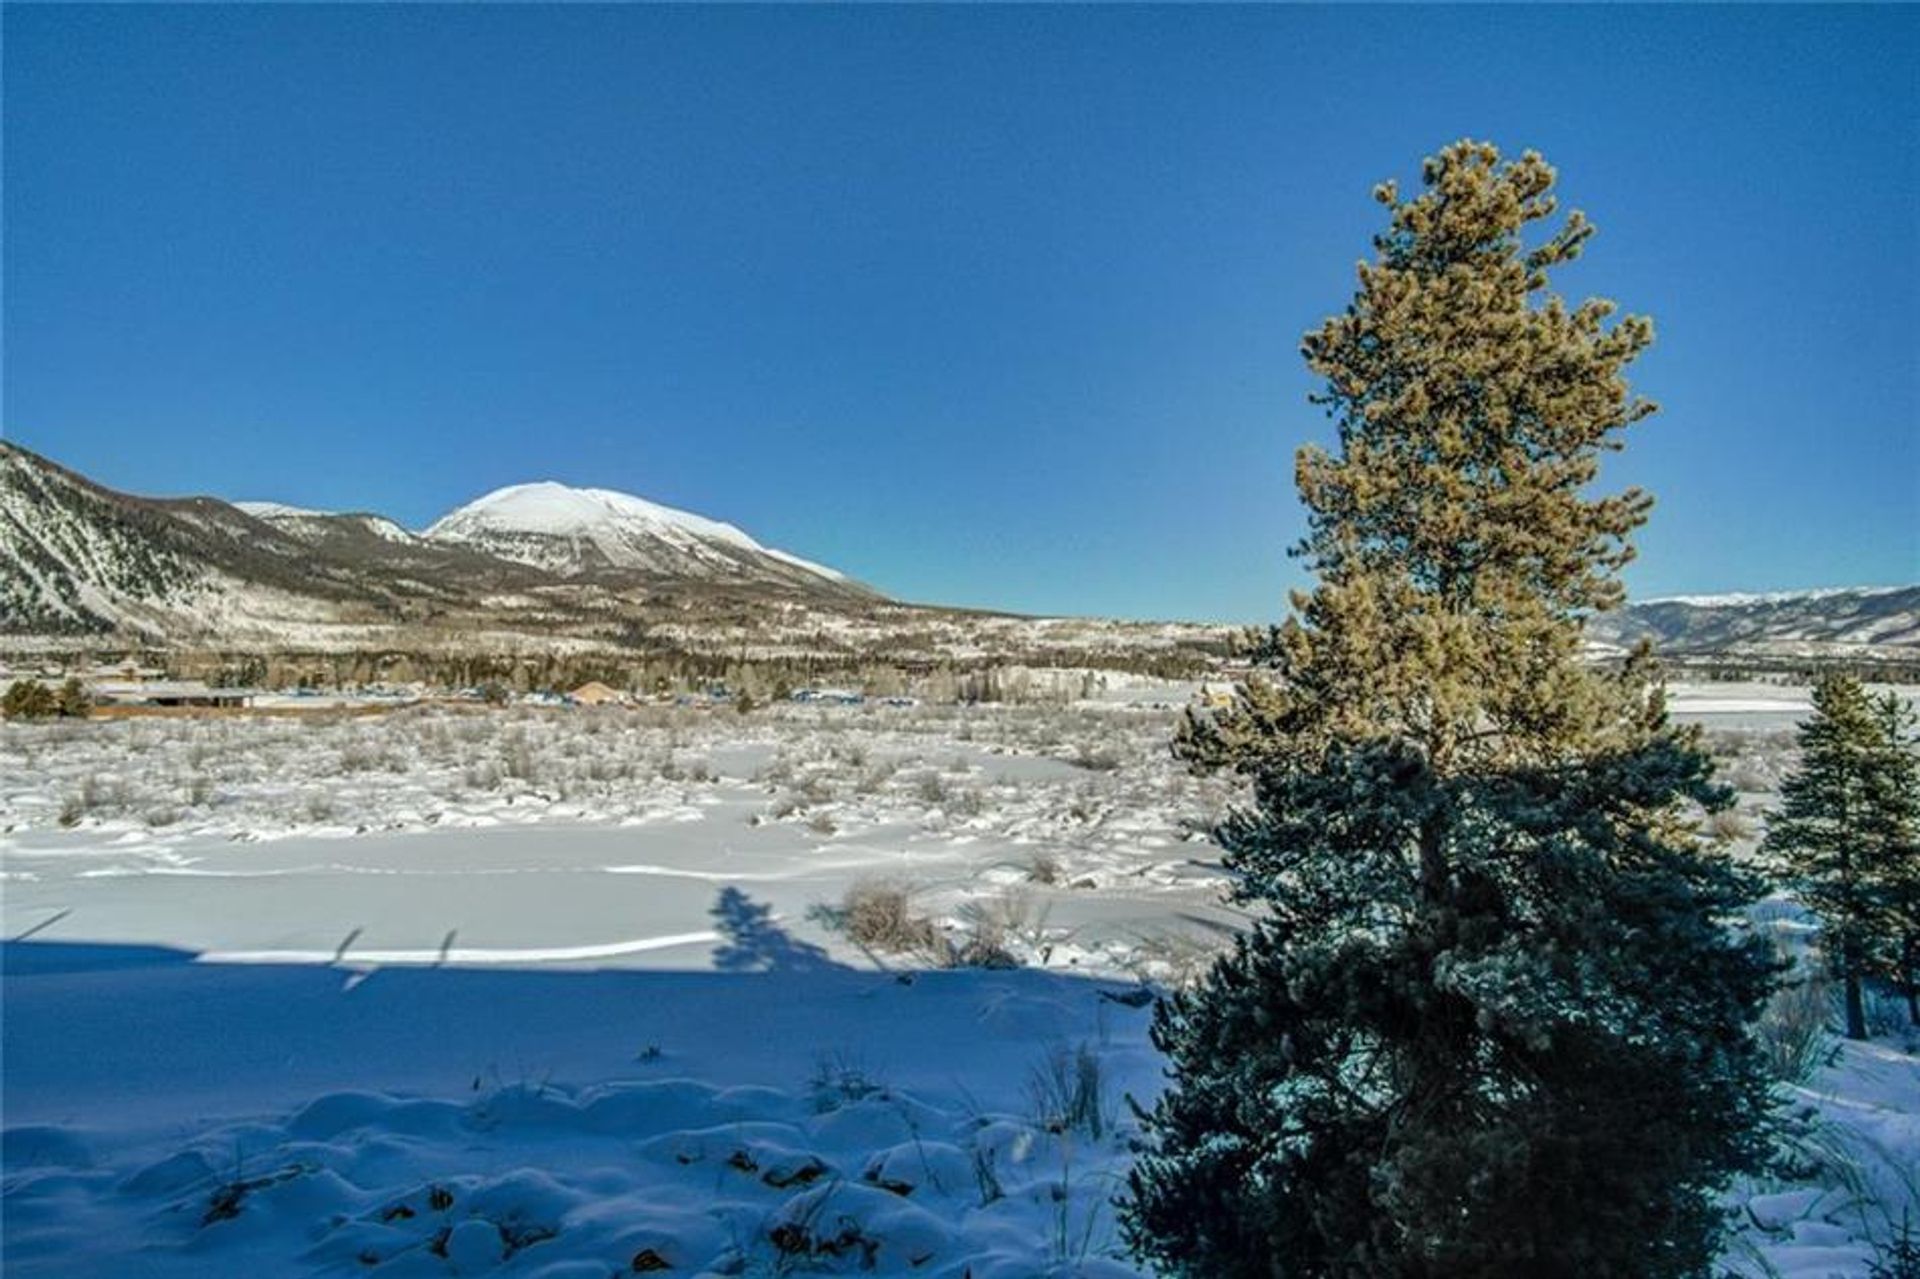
[992,306]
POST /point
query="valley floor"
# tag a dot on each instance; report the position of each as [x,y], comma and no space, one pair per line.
[551,993]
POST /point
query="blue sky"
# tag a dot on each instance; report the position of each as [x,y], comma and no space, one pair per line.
[989,306]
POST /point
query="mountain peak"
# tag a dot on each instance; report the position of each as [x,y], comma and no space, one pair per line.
[577,530]
[548,506]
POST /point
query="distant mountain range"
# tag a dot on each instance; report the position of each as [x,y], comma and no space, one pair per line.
[1862,623]
[533,567]
[545,567]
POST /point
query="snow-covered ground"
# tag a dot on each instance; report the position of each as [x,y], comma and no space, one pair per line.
[451,991]
[603,836]
[172,1118]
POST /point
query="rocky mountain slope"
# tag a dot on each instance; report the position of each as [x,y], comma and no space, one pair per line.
[535,568]
[77,559]
[314,527]
[1852,622]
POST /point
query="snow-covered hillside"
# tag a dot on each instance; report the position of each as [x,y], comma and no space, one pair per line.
[81,563]
[1851,622]
[79,560]
[534,569]
[573,531]
[70,561]
[557,570]
[317,526]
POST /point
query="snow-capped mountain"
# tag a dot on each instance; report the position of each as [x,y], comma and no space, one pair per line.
[537,569]
[577,532]
[1835,622]
[77,559]
[547,568]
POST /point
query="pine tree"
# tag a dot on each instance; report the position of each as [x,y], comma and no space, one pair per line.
[1832,831]
[28,699]
[1901,870]
[1491,1023]
[72,701]
[1891,835]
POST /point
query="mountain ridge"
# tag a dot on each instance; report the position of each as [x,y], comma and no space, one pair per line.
[546,567]
[1824,622]
[82,565]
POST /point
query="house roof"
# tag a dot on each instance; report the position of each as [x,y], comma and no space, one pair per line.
[594,688]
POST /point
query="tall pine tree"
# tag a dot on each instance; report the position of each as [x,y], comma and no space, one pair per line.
[1491,1023]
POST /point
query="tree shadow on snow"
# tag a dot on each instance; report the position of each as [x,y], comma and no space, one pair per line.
[120,1033]
[753,942]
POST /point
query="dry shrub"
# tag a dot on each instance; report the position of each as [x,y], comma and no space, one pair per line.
[1012,915]
[1793,1026]
[1175,958]
[874,780]
[842,1079]
[879,914]
[931,788]
[1096,758]
[1729,825]
[1068,1092]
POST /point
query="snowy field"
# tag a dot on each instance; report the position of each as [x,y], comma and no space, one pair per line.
[603,836]
[460,991]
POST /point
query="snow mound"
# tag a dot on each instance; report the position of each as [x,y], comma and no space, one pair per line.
[721,1153]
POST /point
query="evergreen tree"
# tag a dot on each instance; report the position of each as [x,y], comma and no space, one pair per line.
[73,702]
[1833,830]
[1891,833]
[1490,1023]
[28,699]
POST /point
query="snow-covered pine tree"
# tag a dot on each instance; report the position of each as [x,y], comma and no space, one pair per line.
[1838,828]
[1492,1022]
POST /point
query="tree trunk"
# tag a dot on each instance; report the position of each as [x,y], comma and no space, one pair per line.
[1856,1007]
[1910,976]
